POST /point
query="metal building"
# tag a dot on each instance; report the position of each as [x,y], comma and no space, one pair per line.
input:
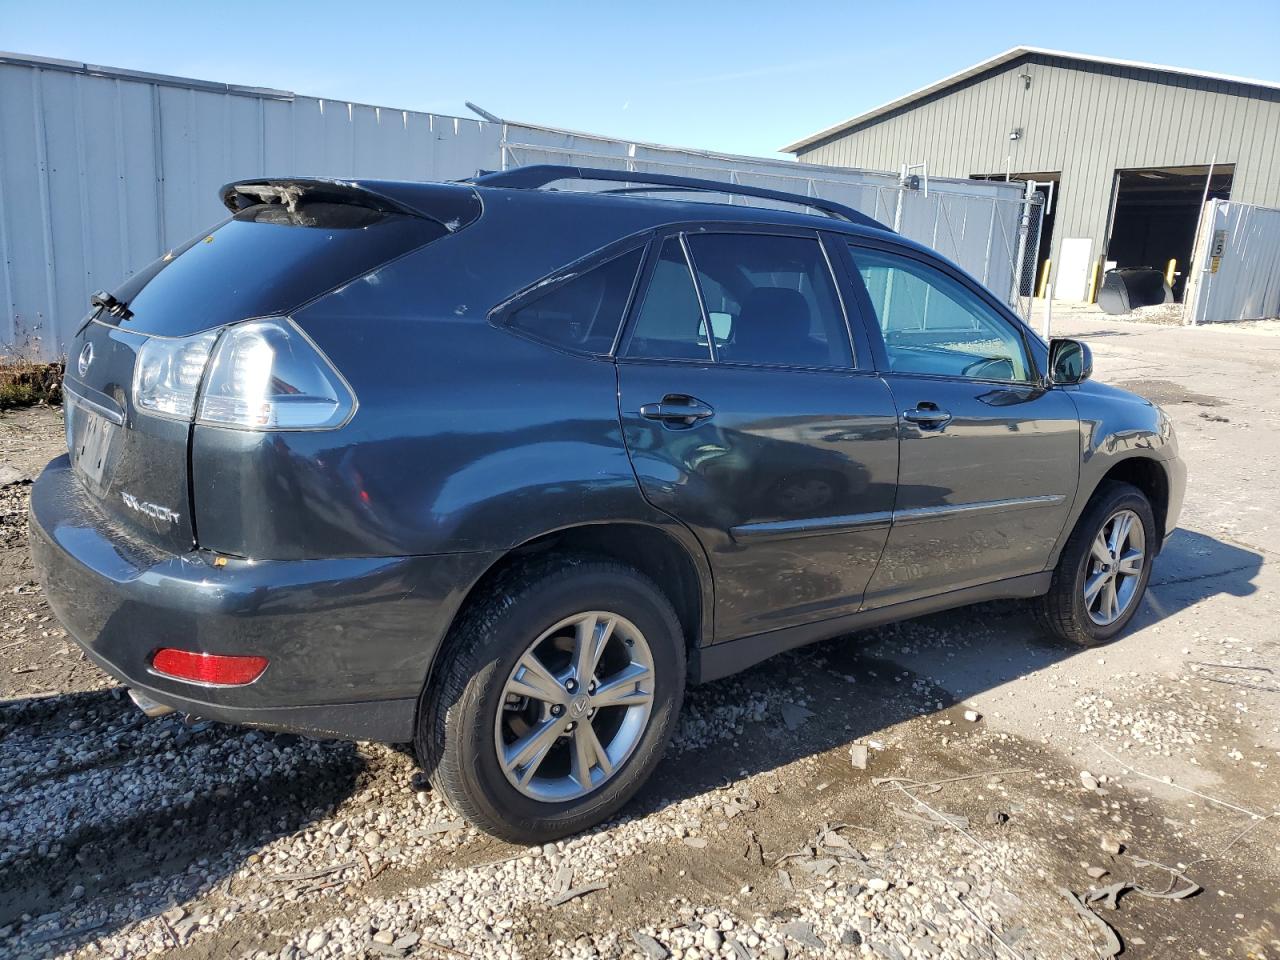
[103,169]
[1125,153]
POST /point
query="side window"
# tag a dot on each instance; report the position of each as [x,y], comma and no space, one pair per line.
[933,324]
[582,313]
[669,325]
[771,300]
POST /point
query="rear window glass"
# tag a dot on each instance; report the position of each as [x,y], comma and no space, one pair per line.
[583,313]
[267,260]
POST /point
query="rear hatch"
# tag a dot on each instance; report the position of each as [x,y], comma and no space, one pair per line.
[286,243]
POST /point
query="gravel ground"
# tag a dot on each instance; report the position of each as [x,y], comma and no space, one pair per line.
[1005,778]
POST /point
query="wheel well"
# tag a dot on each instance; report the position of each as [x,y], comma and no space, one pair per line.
[655,554]
[1149,477]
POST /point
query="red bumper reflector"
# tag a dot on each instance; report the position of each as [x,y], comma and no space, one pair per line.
[208,667]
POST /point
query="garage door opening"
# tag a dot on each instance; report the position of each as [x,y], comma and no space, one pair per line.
[1156,212]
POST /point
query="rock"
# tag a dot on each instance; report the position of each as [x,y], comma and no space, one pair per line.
[1111,846]
[10,475]
[1088,780]
[996,817]
[407,941]
[651,947]
[802,933]
[851,937]
[174,915]
[858,755]
[1097,873]
[711,939]
[794,716]
[973,716]
[877,885]
[385,936]
[698,843]
[316,941]
[775,951]
[372,838]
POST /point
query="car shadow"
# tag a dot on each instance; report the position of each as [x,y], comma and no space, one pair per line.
[99,819]
[107,817]
[855,686]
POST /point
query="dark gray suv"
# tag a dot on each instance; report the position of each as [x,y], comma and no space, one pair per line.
[498,468]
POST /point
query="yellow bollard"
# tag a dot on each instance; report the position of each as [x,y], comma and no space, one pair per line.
[1044,278]
[1093,282]
[1169,271]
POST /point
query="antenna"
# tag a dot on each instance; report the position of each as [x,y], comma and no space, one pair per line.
[481,112]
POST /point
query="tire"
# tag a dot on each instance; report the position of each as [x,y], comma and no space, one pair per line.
[461,730]
[1064,611]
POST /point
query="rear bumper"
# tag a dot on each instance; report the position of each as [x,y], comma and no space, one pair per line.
[349,640]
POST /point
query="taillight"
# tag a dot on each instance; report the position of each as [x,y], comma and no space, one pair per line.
[211,668]
[267,375]
[167,374]
[257,375]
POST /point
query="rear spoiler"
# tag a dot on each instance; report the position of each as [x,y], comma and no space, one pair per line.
[451,205]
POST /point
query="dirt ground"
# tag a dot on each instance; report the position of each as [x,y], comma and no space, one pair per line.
[1006,777]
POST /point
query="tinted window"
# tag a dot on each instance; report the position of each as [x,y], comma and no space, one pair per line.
[669,325]
[933,324]
[266,260]
[771,300]
[583,313]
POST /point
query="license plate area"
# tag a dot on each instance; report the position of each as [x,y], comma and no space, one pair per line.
[90,439]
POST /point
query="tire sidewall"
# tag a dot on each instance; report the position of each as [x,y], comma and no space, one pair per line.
[1123,498]
[469,726]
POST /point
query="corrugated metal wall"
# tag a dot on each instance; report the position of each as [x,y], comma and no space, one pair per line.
[102,170]
[1083,119]
[1238,253]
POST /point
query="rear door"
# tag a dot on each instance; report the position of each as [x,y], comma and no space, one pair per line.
[748,416]
[266,259]
[989,456]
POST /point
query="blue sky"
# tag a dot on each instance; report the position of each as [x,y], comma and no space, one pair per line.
[744,76]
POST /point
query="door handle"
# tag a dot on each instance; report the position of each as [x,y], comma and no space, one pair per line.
[677,410]
[927,416]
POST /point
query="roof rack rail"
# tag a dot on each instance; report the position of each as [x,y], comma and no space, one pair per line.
[539,175]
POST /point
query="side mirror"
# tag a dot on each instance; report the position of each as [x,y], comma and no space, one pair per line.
[1070,361]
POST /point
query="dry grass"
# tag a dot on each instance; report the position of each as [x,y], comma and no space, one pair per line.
[25,382]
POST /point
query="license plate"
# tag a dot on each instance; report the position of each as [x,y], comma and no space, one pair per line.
[89,439]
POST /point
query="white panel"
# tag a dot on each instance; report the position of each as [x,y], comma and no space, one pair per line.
[1072,273]
[1236,273]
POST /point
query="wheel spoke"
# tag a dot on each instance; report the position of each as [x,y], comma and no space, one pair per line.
[532,679]
[1119,533]
[1096,583]
[1101,552]
[592,636]
[622,689]
[524,756]
[1110,602]
[589,752]
[1131,563]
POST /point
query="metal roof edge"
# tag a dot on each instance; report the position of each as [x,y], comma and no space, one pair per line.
[999,59]
[164,79]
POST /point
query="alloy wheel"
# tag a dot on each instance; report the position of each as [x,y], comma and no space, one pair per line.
[575,706]
[1114,568]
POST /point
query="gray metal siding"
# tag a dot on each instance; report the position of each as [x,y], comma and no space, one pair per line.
[1083,120]
[99,175]
[102,170]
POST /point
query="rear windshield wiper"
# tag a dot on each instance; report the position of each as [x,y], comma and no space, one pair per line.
[103,302]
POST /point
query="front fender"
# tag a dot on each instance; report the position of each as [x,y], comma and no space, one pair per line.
[1118,426]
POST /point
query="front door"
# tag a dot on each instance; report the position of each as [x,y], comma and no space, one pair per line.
[989,455]
[748,418]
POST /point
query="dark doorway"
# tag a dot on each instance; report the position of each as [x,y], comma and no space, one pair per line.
[1049,187]
[1156,212]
